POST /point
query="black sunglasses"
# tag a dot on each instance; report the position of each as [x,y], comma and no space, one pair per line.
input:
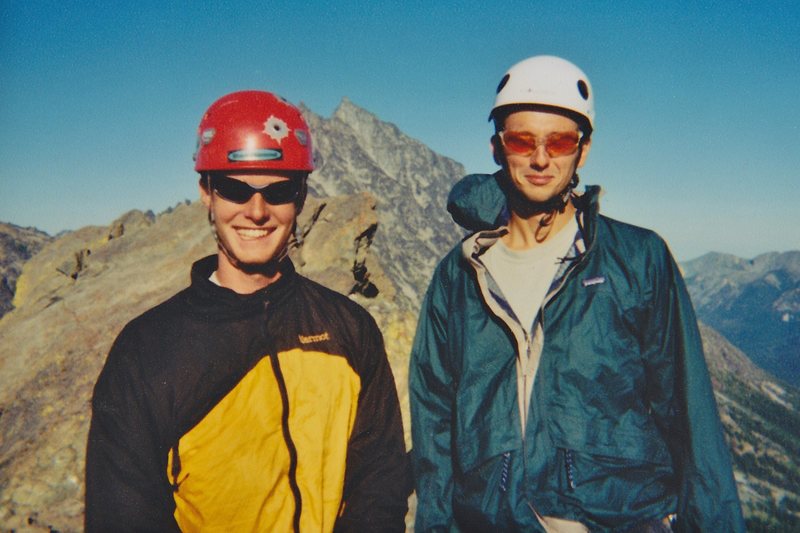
[239,192]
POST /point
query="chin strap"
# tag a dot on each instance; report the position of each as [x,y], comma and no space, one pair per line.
[556,204]
[560,201]
[553,207]
[220,245]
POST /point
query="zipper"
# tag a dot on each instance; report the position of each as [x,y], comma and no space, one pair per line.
[526,371]
[569,468]
[287,436]
[504,471]
[176,467]
[526,402]
[513,326]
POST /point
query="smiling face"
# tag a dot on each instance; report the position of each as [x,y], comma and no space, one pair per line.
[539,177]
[252,235]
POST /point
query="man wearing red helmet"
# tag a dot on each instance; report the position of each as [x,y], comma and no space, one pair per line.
[557,380]
[255,399]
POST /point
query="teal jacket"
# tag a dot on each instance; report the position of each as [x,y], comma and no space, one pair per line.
[621,426]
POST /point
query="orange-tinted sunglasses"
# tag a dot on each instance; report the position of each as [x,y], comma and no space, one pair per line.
[556,144]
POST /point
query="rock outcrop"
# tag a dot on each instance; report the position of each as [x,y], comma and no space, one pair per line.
[17,245]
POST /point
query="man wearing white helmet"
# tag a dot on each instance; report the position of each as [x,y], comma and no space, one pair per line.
[254,399]
[557,378]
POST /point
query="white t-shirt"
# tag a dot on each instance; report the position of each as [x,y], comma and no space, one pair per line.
[524,276]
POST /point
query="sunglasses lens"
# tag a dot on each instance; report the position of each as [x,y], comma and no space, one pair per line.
[562,143]
[519,142]
[281,192]
[239,192]
[231,189]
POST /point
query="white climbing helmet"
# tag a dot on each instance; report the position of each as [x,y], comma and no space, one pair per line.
[549,81]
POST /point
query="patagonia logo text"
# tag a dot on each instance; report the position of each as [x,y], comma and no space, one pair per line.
[588,282]
[308,339]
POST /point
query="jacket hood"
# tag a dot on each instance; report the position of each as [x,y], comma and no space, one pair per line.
[477,203]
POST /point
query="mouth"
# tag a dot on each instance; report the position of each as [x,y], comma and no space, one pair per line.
[249,234]
[538,179]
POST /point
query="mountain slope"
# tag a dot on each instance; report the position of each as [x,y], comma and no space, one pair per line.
[761,416]
[755,303]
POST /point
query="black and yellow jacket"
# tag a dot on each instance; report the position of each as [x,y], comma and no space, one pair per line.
[274,411]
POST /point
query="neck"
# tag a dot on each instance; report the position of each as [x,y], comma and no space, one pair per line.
[242,279]
[526,230]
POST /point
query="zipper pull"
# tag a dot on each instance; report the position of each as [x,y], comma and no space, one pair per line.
[527,367]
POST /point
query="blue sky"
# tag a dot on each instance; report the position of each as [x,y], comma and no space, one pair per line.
[697,103]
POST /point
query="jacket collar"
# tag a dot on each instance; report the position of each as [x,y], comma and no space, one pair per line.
[212,302]
[588,205]
[477,203]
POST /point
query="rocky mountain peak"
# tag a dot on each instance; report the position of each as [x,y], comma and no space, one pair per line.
[351,114]
[355,152]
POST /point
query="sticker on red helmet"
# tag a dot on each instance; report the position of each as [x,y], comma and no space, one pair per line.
[302,137]
[207,135]
[276,128]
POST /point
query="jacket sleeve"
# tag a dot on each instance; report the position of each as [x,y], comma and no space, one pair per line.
[685,409]
[378,477]
[126,482]
[431,393]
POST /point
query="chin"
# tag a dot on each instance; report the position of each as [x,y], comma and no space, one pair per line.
[254,262]
[539,197]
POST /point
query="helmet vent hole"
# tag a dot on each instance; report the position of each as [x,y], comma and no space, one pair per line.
[503,82]
[583,89]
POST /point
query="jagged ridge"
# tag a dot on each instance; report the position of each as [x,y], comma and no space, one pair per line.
[358,152]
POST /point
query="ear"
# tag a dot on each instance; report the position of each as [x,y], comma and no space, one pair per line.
[301,196]
[497,150]
[205,193]
[585,146]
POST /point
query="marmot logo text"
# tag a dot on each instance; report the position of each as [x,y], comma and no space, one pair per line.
[307,339]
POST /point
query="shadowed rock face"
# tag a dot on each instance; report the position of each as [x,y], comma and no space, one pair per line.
[17,245]
[75,295]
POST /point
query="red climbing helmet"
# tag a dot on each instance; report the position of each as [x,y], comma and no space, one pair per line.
[253,130]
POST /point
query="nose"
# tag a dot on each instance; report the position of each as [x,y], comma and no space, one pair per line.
[257,209]
[540,158]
